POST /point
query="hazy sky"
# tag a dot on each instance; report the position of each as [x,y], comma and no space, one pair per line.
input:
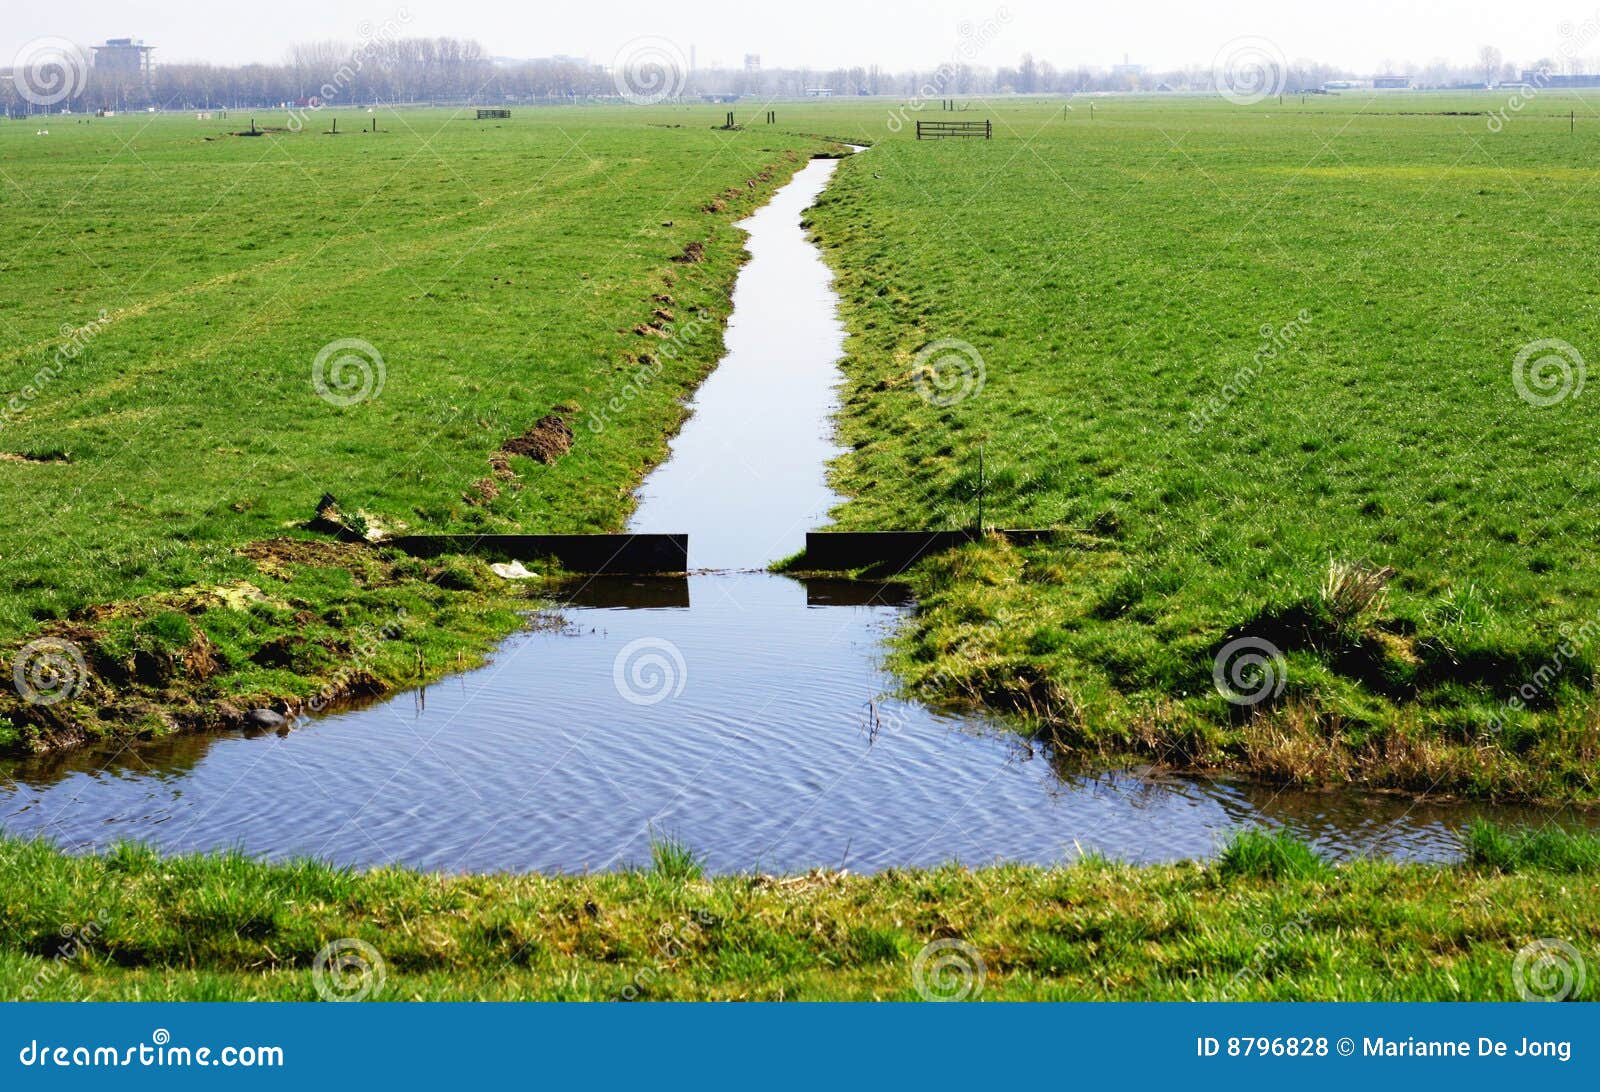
[1361,34]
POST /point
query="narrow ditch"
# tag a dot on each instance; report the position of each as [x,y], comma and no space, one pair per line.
[743,712]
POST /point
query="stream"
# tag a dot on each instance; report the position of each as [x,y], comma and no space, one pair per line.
[745,713]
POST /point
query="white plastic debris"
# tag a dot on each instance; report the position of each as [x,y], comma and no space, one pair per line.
[511,570]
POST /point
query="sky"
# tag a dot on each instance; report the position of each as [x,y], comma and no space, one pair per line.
[1364,35]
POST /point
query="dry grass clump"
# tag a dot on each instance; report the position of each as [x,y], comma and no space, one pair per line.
[1353,591]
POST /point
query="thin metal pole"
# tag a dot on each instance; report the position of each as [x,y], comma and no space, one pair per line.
[981,485]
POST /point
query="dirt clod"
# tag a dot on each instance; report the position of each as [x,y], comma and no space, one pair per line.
[548,440]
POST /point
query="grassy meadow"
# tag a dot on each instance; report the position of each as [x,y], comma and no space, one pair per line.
[1257,362]
[1267,920]
[164,300]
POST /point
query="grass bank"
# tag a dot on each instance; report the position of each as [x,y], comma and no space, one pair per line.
[447,325]
[1304,385]
[1266,921]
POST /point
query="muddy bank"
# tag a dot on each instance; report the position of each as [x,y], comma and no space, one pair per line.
[317,624]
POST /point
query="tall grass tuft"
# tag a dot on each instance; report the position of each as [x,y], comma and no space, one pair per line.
[1268,855]
[1497,849]
[672,859]
[1353,591]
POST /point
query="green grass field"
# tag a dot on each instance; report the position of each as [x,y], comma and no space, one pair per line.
[1224,350]
[1232,350]
[1228,351]
[165,300]
[1267,921]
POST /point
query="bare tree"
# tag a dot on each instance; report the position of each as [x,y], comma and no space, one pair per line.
[1489,61]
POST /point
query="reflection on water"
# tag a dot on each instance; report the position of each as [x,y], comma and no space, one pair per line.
[741,711]
[750,723]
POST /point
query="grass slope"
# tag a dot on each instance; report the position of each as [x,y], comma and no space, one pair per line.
[1268,921]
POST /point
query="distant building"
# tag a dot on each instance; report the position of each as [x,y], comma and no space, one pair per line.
[1541,78]
[1127,69]
[819,92]
[1390,83]
[752,62]
[127,57]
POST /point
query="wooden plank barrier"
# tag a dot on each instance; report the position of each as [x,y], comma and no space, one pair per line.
[628,554]
[938,130]
[892,551]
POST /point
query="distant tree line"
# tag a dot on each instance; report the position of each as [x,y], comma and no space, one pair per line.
[390,70]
